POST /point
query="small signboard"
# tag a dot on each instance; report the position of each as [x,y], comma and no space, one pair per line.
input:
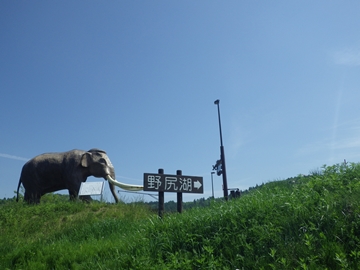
[91,188]
[173,183]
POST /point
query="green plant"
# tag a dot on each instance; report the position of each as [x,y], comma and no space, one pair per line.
[305,222]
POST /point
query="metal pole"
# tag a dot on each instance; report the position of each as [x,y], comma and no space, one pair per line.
[212,184]
[223,168]
[222,154]
[217,102]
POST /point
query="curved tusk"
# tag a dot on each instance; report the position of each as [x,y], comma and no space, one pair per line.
[124,186]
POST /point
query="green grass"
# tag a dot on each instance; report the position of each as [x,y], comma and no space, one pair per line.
[306,222]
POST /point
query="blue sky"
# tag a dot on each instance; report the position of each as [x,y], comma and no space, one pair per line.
[139,80]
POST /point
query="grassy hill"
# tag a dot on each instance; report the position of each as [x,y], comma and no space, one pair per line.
[306,222]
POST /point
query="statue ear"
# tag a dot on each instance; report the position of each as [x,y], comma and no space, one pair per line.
[85,159]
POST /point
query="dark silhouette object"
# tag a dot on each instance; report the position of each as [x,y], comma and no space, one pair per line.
[218,167]
[235,193]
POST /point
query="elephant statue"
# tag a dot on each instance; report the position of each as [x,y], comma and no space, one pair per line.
[66,170]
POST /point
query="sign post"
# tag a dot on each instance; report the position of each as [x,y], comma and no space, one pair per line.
[161,197]
[179,195]
[178,183]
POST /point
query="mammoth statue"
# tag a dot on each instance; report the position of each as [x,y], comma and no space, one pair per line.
[66,170]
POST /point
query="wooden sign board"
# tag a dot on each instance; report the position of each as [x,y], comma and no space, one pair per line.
[173,183]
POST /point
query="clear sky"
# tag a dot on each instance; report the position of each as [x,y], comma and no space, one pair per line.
[139,80]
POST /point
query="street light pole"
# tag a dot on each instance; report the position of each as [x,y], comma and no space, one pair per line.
[212,184]
[222,154]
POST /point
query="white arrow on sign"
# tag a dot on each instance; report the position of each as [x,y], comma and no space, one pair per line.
[197,184]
